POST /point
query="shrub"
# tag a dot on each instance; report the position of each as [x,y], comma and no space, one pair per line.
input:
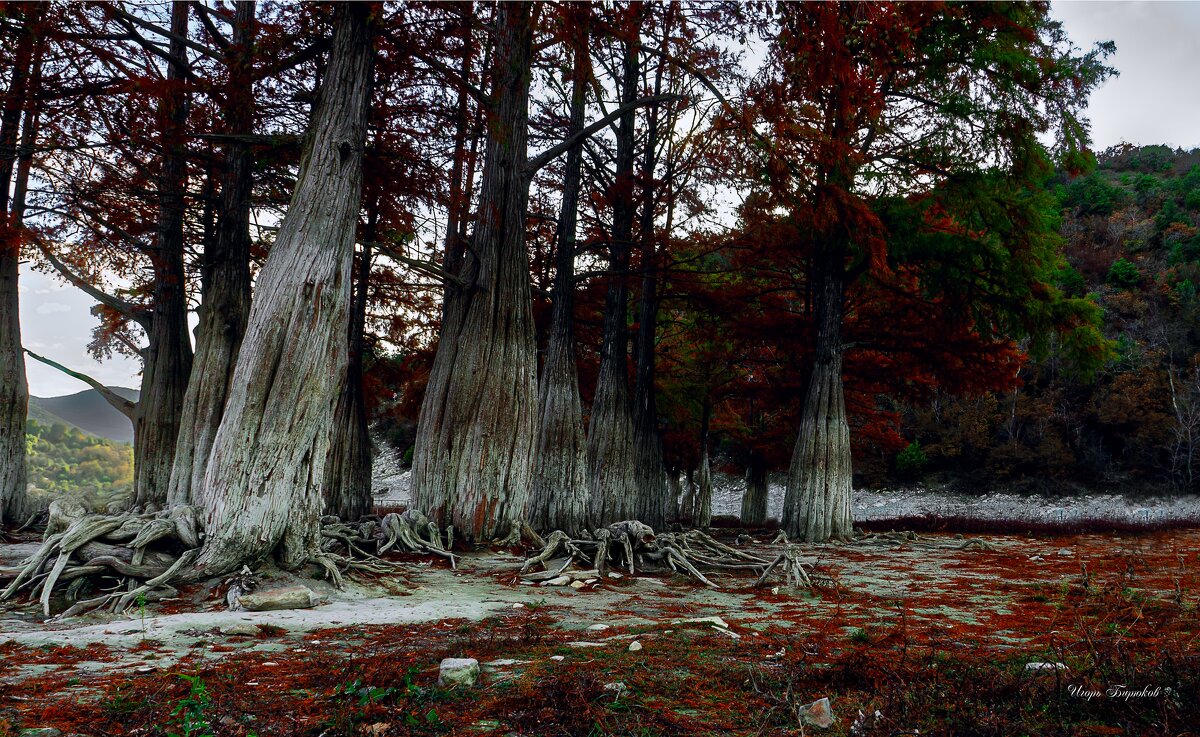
[1124,274]
[911,461]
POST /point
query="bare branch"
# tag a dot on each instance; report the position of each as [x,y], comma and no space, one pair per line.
[119,403]
[559,149]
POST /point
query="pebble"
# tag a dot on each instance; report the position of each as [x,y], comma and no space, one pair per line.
[819,713]
[598,627]
[635,646]
[458,672]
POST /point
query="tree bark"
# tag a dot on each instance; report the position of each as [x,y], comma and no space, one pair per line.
[559,496]
[225,300]
[263,492]
[610,451]
[168,358]
[473,457]
[348,468]
[816,505]
[14,389]
[653,498]
[754,503]
[703,499]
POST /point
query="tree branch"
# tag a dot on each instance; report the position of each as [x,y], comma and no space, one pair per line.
[119,403]
[139,315]
[559,149]
[425,267]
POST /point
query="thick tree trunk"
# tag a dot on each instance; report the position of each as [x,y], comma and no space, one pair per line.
[168,358]
[348,468]
[558,498]
[225,303]
[754,503]
[816,506]
[14,389]
[473,458]
[610,453]
[262,492]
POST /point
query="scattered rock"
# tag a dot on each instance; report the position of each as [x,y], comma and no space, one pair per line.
[618,687]
[577,585]
[518,605]
[458,672]
[240,629]
[615,575]
[558,581]
[598,627]
[635,646]
[558,658]
[40,732]
[819,713]
[585,644]
[1065,552]
[1045,666]
[716,621]
[503,663]
[288,597]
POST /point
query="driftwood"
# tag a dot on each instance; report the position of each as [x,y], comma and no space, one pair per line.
[634,546]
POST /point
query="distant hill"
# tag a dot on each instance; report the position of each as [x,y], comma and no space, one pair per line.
[86,411]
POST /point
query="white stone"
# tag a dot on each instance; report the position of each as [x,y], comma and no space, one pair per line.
[577,585]
[580,643]
[559,658]
[1045,666]
[240,629]
[288,597]
[819,713]
[598,627]
[635,646]
[559,581]
[458,672]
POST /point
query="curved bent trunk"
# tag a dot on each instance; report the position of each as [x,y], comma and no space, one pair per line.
[816,506]
[473,457]
[348,468]
[558,497]
[168,359]
[262,489]
[754,503]
[610,452]
[226,272]
[14,389]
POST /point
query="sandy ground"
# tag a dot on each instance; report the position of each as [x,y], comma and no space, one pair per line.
[932,579]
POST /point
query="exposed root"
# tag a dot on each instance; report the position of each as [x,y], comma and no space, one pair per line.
[635,547]
[403,532]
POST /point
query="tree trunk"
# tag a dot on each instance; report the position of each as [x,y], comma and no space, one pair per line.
[558,498]
[14,389]
[816,506]
[675,485]
[348,468]
[263,492]
[225,302]
[473,457]
[168,357]
[703,500]
[754,503]
[610,452]
[653,501]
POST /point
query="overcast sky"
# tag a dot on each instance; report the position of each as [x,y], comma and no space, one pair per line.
[1156,99]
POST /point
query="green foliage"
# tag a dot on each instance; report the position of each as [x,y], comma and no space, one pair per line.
[1093,195]
[911,461]
[1070,282]
[64,460]
[1124,274]
[189,717]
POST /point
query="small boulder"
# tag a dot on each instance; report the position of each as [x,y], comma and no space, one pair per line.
[598,627]
[559,581]
[577,585]
[240,629]
[1045,666]
[818,714]
[635,646]
[458,672]
[288,597]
